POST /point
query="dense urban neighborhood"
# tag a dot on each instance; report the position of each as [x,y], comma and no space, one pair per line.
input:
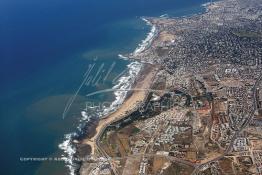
[202,113]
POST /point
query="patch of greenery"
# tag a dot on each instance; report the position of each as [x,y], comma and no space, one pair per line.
[135,130]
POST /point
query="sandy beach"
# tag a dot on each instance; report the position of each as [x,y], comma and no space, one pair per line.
[144,81]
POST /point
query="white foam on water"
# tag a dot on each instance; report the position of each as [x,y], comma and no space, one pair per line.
[146,42]
[69,151]
[84,116]
[124,85]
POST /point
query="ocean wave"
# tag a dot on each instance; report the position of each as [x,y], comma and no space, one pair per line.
[69,151]
[146,42]
[68,147]
[124,82]
[84,115]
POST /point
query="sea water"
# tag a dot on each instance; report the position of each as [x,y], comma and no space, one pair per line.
[46,47]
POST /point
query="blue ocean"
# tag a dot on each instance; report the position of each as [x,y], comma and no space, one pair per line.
[46,47]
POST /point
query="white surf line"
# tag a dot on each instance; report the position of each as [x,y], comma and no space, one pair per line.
[72,99]
[119,76]
[148,40]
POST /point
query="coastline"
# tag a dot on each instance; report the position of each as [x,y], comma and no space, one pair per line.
[73,146]
[146,43]
[98,41]
[131,98]
[130,104]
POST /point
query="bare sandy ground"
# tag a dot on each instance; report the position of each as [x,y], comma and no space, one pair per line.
[144,82]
